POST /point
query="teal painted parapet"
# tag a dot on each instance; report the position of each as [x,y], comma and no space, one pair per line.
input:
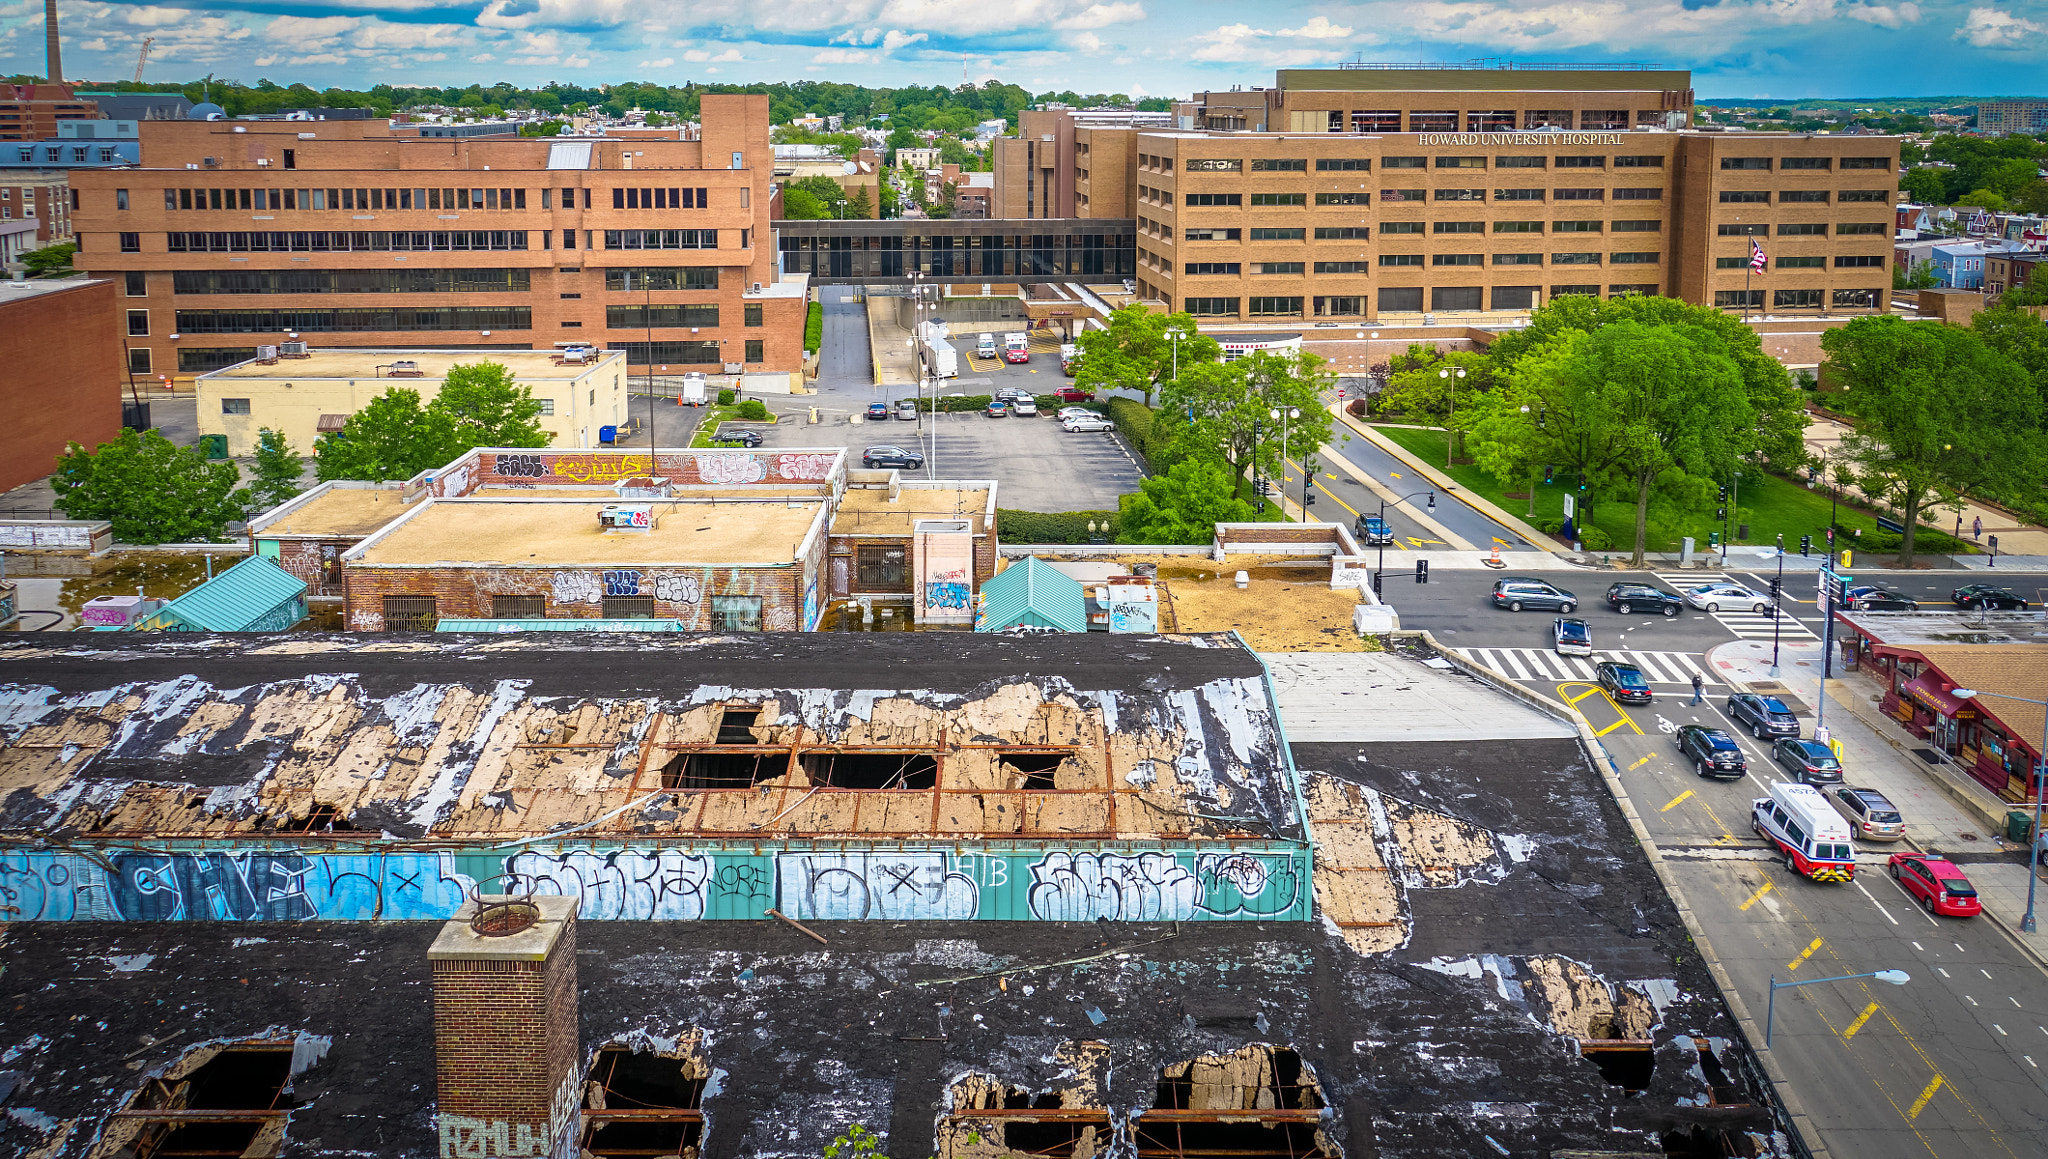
[1211,881]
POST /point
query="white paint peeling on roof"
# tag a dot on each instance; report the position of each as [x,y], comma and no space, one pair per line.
[450,776]
[1502,969]
[129,963]
[25,705]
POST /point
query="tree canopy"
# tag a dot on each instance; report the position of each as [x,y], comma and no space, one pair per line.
[395,437]
[150,489]
[1136,351]
[1182,506]
[1229,409]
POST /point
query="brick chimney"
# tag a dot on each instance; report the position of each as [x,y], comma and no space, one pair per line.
[50,46]
[507,1055]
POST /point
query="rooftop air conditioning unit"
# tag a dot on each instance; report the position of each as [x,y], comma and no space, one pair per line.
[266,354]
[626,517]
[293,349]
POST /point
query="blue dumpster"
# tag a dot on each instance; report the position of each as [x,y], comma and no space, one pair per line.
[607,434]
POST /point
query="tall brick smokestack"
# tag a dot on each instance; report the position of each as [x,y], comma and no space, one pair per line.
[56,63]
[507,1054]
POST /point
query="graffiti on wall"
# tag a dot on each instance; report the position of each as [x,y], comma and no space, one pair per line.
[946,595]
[728,469]
[578,587]
[678,589]
[806,467]
[662,884]
[522,466]
[910,885]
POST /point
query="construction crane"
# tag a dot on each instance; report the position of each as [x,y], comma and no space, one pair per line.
[142,58]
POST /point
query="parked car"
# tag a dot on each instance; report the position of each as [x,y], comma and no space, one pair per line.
[1712,597]
[906,409]
[1869,812]
[891,456]
[1631,598]
[1012,394]
[1624,682]
[1024,406]
[1075,394]
[1936,884]
[1087,423]
[1068,412]
[1571,638]
[995,409]
[985,346]
[1987,596]
[878,410]
[738,438]
[1517,592]
[1809,761]
[1713,753]
[1372,531]
[1766,716]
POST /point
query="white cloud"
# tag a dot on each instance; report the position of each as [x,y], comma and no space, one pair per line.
[266,61]
[1886,16]
[664,62]
[1085,42]
[702,56]
[1320,28]
[843,56]
[482,58]
[1991,28]
[896,39]
[96,44]
[1101,16]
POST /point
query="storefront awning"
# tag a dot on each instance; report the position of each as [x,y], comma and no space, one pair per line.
[1932,696]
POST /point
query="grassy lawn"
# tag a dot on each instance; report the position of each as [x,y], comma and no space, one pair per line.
[713,415]
[1771,505]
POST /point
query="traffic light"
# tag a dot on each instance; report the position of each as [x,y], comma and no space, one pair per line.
[1422,571]
[1806,545]
[1777,588]
[1378,583]
[1548,474]
[1721,513]
[1831,539]
[1724,493]
[1308,500]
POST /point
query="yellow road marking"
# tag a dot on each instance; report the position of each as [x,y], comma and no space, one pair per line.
[1853,1027]
[1804,954]
[1920,1104]
[1675,801]
[1755,898]
[1393,474]
[1596,690]
[1639,764]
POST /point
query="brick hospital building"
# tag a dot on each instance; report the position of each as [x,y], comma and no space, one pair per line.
[1355,193]
[235,234]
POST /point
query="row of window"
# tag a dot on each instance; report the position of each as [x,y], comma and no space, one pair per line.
[624,197]
[1808,163]
[1480,120]
[1398,261]
[1794,299]
[399,281]
[338,241]
[330,321]
[1281,233]
[1803,196]
[1402,299]
[54,154]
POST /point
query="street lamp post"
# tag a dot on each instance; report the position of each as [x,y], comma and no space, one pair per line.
[2040,770]
[1380,571]
[1450,412]
[1286,419]
[1540,412]
[1895,977]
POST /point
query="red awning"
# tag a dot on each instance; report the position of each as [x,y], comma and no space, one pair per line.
[1924,691]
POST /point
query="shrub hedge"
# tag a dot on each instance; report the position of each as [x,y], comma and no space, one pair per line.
[814,327]
[1139,425]
[1052,526]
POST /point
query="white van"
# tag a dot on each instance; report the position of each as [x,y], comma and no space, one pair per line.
[985,347]
[1798,821]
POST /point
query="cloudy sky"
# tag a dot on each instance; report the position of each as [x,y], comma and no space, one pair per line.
[1736,48]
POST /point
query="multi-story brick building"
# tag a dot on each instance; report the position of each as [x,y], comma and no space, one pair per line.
[362,234]
[30,112]
[62,351]
[41,197]
[2000,117]
[1346,195]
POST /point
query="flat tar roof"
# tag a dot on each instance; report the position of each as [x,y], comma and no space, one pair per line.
[869,511]
[528,533]
[433,364]
[341,512]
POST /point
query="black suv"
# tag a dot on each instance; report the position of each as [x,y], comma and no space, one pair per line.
[1372,531]
[1628,598]
[1714,753]
[1624,682]
[886,456]
[1517,592]
[1766,716]
[741,438]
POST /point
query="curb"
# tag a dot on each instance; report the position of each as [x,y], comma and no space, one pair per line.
[1798,1120]
[1961,797]
[1446,483]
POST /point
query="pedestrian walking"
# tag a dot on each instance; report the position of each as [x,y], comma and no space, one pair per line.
[1977,527]
[1699,689]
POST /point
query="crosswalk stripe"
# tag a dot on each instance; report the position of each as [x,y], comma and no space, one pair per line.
[1542,664]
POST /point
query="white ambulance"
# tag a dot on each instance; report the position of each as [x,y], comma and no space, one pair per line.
[1802,826]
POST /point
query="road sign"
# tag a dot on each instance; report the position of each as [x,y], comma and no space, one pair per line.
[1570,506]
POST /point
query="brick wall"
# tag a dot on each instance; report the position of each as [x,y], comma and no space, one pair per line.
[507,1054]
[317,561]
[545,468]
[63,380]
[683,594]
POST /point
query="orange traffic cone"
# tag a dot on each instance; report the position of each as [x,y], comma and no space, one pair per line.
[1495,561]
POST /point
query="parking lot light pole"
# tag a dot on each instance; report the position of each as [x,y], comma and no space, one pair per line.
[1381,570]
[2040,770]
[1450,412]
[1895,977]
[1285,418]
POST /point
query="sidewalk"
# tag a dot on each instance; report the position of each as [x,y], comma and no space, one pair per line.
[1946,813]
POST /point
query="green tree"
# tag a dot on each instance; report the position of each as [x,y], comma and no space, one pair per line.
[50,257]
[1229,407]
[860,204]
[829,193]
[487,407]
[392,438]
[942,205]
[1989,199]
[1136,352]
[1653,402]
[1941,415]
[891,202]
[1184,505]
[800,205]
[1923,185]
[1437,386]
[150,489]
[2015,330]
[1921,277]
[278,470]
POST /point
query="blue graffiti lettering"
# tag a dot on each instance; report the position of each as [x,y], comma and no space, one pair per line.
[946,595]
[622,583]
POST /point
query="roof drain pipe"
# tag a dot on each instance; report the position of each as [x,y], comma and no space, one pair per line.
[1308,837]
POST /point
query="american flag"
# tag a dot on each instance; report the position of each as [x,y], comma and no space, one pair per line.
[1757,257]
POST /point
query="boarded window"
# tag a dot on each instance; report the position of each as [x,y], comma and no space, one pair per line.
[410,614]
[518,607]
[629,607]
